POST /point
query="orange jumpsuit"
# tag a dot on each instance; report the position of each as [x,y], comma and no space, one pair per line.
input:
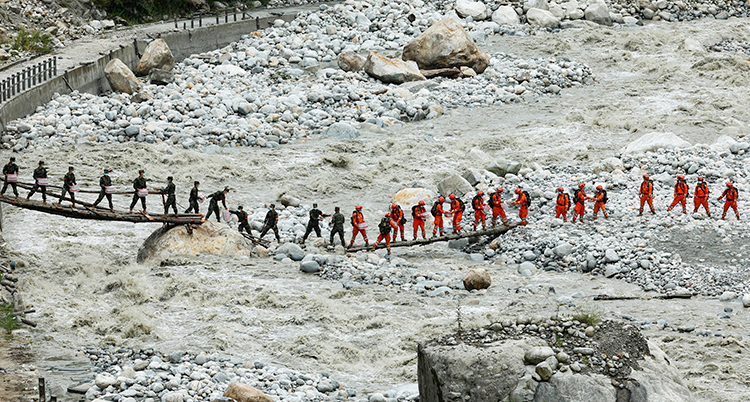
[438,219]
[646,191]
[496,202]
[580,208]
[417,213]
[397,215]
[563,204]
[458,214]
[523,202]
[478,204]
[680,195]
[385,226]
[701,197]
[599,204]
[731,202]
[358,226]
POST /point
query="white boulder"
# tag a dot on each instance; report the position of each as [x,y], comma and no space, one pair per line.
[541,18]
[505,15]
[653,141]
[474,9]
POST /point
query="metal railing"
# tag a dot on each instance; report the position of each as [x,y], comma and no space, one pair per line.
[229,14]
[28,78]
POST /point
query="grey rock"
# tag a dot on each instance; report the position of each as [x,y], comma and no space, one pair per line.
[598,13]
[527,265]
[350,61]
[746,300]
[176,357]
[458,243]
[563,249]
[341,130]
[454,184]
[538,354]
[501,167]
[160,77]
[610,255]
[309,266]
[392,71]
[544,370]
[579,388]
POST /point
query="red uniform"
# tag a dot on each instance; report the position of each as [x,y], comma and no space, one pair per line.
[579,209]
[385,226]
[701,197]
[417,213]
[478,204]
[646,193]
[523,201]
[731,201]
[680,195]
[496,202]
[397,216]
[358,226]
[438,209]
[563,204]
[600,198]
[457,209]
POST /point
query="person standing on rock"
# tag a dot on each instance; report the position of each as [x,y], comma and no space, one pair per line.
[563,204]
[271,223]
[397,215]
[385,226]
[193,199]
[139,185]
[10,171]
[418,213]
[437,212]
[171,198]
[701,196]
[680,194]
[579,198]
[69,182]
[213,205]
[731,195]
[496,203]
[600,200]
[524,202]
[242,223]
[478,204]
[457,209]
[314,223]
[646,193]
[40,182]
[105,189]
[337,222]
[358,225]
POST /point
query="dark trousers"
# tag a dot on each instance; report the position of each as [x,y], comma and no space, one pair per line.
[38,187]
[135,201]
[171,202]
[72,195]
[213,208]
[193,207]
[275,231]
[12,185]
[99,199]
[310,227]
[340,231]
[245,226]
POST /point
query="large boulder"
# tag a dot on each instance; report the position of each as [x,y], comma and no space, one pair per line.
[242,392]
[541,18]
[445,45]
[210,237]
[502,166]
[506,15]
[409,197]
[477,279]
[391,71]
[351,61]
[454,184]
[653,141]
[156,55]
[121,78]
[599,13]
[474,9]
[341,130]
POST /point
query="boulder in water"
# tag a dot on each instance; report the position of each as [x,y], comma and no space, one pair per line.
[210,237]
[445,45]
[409,197]
[653,141]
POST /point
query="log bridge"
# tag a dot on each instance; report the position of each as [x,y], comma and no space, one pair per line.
[492,232]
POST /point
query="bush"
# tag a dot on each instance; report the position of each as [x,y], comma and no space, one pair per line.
[35,41]
[140,11]
[7,318]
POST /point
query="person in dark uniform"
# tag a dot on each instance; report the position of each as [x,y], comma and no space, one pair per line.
[272,218]
[193,199]
[213,206]
[68,181]
[314,223]
[242,217]
[171,199]
[12,169]
[138,184]
[104,182]
[39,173]
[337,221]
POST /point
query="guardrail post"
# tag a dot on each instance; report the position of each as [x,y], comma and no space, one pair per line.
[2,91]
[192,20]
[175,22]
[23,80]
[257,23]
[244,8]
[13,85]
[54,66]
[42,390]
[235,14]
[217,17]
[33,74]
[200,19]
[226,15]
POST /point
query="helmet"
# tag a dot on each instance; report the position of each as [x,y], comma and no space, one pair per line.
[645,177]
[680,177]
[480,192]
[452,196]
[499,189]
[730,184]
[599,187]
[560,190]
[358,207]
[393,206]
[421,202]
[388,215]
[700,178]
[518,190]
[441,199]
[581,185]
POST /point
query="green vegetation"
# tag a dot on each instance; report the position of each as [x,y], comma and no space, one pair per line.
[32,41]
[7,318]
[591,318]
[143,11]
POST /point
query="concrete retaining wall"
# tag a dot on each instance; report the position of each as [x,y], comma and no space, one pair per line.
[90,78]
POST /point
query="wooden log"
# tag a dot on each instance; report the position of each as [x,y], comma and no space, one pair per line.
[496,231]
[28,322]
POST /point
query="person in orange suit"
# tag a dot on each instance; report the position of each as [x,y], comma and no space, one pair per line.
[418,213]
[478,204]
[731,195]
[397,216]
[457,209]
[563,204]
[523,201]
[358,225]
[701,196]
[680,194]
[579,198]
[646,193]
[385,226]
[600,199]
[437,212]
[496,203]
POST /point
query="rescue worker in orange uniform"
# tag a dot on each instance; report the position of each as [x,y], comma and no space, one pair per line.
[524,201]
[496,203]
[385,226]
[563,204]
[579,197]
[437,212]
[646,193]
[358,225]
[457,209]
[680,194]
[600,199]
[701,196]
[478,204]
[731,194]
[418,214]
[397,216]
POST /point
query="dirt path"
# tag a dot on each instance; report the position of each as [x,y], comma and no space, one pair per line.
[17,379]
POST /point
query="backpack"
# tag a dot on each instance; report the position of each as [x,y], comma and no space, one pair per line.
[576,195]
[434,208]
[461,204]
[528,199]
[604,199]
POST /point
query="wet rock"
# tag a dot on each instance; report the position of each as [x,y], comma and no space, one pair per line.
[288,200]
[541,18]
[391,70]
[506,15]
[342,131]
[563,249]
[351,61]
[445,44]
[654,141]
[598,13]
[210,237]
[454,184]
[241,392]
[121,78]
[309,267]
[477,279]
[692,45]
[156,55]
[538,354]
